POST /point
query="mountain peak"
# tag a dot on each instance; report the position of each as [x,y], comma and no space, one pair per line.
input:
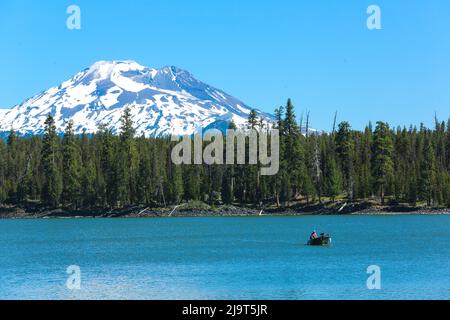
[168,100]
[175,70]
[104,69]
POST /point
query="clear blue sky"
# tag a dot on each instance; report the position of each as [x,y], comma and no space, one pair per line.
[319,53]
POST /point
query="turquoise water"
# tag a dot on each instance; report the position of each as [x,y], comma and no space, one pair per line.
[226,258]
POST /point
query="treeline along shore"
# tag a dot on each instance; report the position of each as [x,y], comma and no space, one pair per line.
[379,169]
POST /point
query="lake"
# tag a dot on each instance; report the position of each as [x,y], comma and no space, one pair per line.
[226,258]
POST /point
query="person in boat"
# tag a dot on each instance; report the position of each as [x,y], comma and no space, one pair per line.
[313,235]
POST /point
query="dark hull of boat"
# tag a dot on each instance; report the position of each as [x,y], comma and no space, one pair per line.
[321,241]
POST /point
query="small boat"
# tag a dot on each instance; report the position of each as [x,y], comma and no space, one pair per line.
[323,240]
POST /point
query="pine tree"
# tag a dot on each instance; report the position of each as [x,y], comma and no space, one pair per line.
[447,146]
[3,177]
[427,172]
[228,178]
[144,180]
[317,168]
[12,138]
[252,121]
[126,161]
[383,166]
[332,178]
[345,149]
[107,166]
[365,169]
[227,187]
[446,201]
[252,172]
[295,179]
[412,190]
[281,177]
[52,182]
[71,168]
[175,192]
[88,185]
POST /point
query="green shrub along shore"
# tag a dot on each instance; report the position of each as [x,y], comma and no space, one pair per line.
[379,169]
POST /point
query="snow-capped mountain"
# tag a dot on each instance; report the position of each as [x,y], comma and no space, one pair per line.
[162,101]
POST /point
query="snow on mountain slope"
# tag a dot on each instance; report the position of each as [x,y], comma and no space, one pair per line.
[162,101]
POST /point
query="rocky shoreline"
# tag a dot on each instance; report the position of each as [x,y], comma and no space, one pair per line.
[219,211]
